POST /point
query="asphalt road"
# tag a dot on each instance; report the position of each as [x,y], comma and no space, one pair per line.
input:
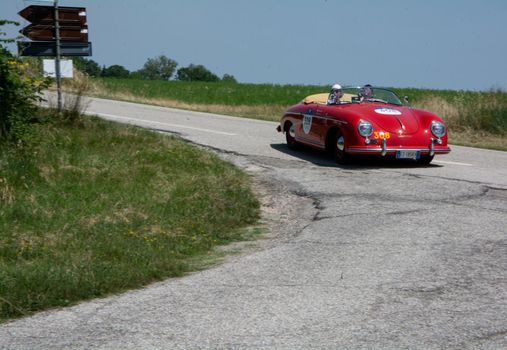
[373,256]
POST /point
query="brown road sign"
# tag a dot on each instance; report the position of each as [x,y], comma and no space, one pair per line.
[47,33]
[42,30]
[68,16]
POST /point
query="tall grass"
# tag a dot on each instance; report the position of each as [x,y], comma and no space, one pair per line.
[211,93]
[99,208]
[466,111]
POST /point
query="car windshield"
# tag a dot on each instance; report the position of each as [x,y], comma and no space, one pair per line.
[377,95]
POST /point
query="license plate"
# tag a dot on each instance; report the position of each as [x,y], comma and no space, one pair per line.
[408,154]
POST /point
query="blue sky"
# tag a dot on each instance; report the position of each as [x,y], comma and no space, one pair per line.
[446,44]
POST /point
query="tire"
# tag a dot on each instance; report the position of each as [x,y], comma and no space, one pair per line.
[425,159]
[336,147]
[290,136]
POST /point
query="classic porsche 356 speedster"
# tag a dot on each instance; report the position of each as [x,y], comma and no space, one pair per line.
[376,123]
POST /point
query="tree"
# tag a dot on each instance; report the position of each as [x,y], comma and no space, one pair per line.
[158,68]
[137,75]
[115,71]
[196,73]
[229,78]
[2,34]
[87,66]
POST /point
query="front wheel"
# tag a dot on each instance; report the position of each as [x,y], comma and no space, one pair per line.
[336,146]
[425,159]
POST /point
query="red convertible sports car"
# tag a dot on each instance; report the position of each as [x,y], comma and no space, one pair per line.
[364,121]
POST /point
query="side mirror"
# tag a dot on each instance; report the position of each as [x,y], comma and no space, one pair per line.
[405,98]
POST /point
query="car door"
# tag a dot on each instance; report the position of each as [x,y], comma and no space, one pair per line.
[319,125]
[310,127]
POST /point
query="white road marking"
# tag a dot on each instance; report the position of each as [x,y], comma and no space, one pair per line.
[452,163]
[105,115]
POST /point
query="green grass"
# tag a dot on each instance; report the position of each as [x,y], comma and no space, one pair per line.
[211,93]
[101,208]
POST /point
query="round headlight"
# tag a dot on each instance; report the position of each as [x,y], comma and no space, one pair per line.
[365,128]
[438,129]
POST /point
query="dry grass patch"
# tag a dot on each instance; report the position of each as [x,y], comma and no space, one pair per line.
[262,112]
[6,192]
[473,138]
[439,106]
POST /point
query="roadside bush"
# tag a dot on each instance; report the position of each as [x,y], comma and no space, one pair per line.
[18,93]
[74,100]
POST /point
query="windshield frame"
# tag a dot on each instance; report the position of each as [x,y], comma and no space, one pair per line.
[385,96]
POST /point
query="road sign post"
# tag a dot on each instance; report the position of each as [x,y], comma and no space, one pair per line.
[55,32]
[57,59]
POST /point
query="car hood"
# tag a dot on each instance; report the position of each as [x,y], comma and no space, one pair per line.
[390,118]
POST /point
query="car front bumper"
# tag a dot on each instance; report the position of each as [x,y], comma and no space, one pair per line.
[434,148]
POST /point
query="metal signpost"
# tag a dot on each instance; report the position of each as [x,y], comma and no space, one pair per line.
[57,59]
[55,32]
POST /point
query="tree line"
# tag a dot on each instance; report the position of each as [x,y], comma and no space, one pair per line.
[158,68]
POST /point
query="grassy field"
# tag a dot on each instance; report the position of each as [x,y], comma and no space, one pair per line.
[474,118]
[212,93]
[99,208]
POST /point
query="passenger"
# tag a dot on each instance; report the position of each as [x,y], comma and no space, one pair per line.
[366,92]
[335,95]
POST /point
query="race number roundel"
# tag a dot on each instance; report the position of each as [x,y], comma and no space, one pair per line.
[307,121]
[387,111]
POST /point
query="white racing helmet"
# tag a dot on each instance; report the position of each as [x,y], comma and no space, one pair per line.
[335,94]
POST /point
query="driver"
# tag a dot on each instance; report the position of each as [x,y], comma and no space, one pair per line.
[366,92]
[335,95]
